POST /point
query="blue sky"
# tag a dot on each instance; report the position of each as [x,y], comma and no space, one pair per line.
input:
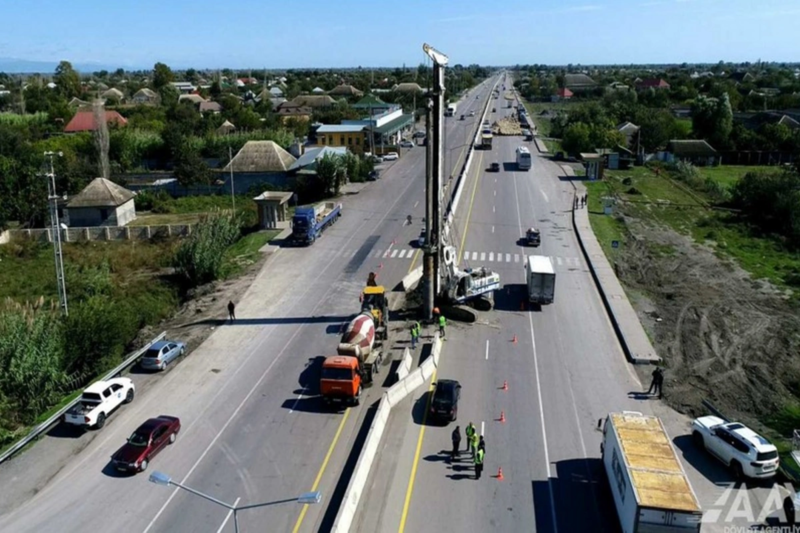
[350,33]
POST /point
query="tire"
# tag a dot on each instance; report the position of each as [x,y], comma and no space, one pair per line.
[183,351]
[101,421]
[736,469]
[697,439]
[143,466]
[172,438]
[163,366]
[129,396]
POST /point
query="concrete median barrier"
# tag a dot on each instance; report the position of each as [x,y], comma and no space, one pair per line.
[412,278]
[349,506]
[405,365]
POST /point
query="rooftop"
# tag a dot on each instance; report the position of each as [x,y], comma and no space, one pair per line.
[261,156]
[101,193]
[341,128]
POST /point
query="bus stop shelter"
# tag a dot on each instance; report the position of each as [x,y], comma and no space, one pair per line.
[273,209]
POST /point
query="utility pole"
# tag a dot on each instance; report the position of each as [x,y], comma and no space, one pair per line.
[433,181]
[55,229]
[233,197]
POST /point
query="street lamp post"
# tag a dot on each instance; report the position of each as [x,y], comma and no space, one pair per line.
[160,478]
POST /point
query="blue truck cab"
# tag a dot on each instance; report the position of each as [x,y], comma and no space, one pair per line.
[309,221]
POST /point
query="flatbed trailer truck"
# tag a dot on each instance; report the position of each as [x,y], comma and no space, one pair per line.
[309,221]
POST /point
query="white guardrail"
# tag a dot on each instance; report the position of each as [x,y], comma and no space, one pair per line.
[41,428]
[390,398]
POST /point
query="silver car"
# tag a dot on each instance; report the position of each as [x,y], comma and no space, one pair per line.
[162,353]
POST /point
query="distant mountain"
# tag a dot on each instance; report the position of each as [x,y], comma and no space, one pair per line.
[12,65]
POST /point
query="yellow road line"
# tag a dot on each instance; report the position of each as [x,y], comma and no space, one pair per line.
[322,470]
[410,488]
[416,254]
[469,212]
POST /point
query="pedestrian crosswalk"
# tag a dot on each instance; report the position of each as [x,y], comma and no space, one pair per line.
[468,257]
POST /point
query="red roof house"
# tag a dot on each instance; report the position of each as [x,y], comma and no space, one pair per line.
[84,121]
[562,94]
[654,83]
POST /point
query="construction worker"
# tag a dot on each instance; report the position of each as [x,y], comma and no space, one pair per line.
[657,381]
[442,324]
[456,437]
[469,431]
[479,463]
[473,444]
[414,336]
[482,444]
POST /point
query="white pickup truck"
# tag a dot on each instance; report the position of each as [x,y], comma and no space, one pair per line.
[98,401]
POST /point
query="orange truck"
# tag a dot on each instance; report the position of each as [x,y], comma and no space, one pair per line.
[344,375]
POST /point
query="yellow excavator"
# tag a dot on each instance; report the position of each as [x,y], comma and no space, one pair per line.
[373,300]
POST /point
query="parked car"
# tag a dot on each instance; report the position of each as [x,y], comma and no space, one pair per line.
[98,401]
[421,238]
[461,118]
[741,449]
[391,156]
[418,134]
[495,167]
[444,405]
[145,443]
[162,353]
[406,144]
[373,176]
[472,113]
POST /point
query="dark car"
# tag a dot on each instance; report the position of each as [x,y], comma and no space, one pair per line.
[444,404]
[373,175]
[145,443]
[495,167]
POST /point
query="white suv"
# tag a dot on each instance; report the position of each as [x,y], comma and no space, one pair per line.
[744,451]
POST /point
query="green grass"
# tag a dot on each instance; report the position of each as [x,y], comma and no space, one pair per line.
[543,125]
[553,146]
[607,228]
[668,202]
[685,125]
[159,219]
[727,175]
[245,252]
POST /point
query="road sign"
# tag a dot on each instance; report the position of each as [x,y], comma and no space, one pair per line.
[615,244]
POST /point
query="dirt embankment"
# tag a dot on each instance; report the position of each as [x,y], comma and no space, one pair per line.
[724,337]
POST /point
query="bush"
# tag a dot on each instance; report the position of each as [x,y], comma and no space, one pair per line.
[30,360]
[157,201]
[199,258]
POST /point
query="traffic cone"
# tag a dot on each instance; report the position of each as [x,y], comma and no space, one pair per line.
[505,385]
[499,475]
[514,340]
[380,266]
[502,419]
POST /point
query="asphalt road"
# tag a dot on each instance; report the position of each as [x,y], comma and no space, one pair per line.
[253,429]
[564,369]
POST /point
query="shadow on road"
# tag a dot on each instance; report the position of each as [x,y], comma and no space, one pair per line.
[309,376]
[513,297]
[110,471]
[573,178]
[581,484]
[702,461]
[335,499]
[268,321]
[312,404]
[639,395]
[418,412]
[62,430]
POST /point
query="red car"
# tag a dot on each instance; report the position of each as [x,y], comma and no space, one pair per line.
[145,443]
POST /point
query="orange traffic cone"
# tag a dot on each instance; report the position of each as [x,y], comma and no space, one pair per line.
[499,475]
[502,418]
[514,340]
[505,385]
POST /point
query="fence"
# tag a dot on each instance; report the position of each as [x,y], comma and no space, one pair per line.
[41,428]
[103,233]
[755,158]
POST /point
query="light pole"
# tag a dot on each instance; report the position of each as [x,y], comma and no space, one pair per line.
[160,478]
[55,229]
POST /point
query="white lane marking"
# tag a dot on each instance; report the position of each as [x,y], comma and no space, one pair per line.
[297,400]
[487,349]
[546,199]
[492,229]
[516,258]
[402,254]
[495,193]
[394,253]
[508,258]
[228,516]
[491,256]
[493,209]
[416,204]
[539,391]
[355,252]
[387,252]
[558,260]
[483,256]
[482,428]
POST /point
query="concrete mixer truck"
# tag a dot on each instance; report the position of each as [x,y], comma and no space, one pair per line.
[358,357]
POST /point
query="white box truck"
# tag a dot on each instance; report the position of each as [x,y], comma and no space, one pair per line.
[451,109]
[541,279]
[651,491]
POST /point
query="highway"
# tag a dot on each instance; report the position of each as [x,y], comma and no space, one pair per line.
[253,429]
[564,368]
